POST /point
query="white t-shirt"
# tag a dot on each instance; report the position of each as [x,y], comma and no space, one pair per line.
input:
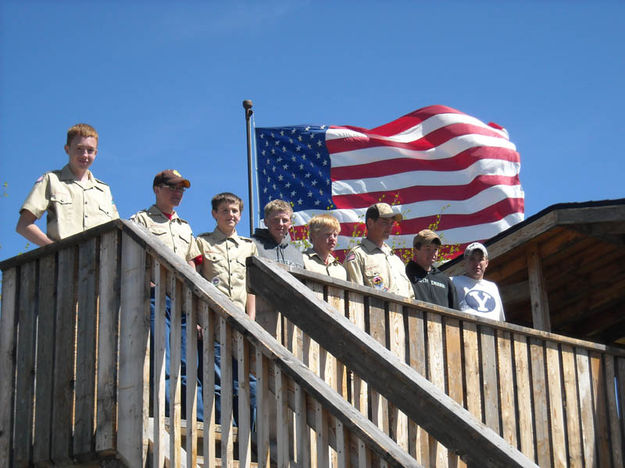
[479,297]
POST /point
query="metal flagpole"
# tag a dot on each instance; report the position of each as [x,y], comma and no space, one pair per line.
[247,105]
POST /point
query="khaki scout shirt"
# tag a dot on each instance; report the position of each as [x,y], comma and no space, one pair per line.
[313,262]
[72,206]
[224,262]
[175,233]
[379,268]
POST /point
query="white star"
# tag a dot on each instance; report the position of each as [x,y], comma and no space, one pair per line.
[262,136]
[309,194]
[319,143]
[325,162]
[274,187]
[281,132]
[285,166]
[298,149]
[284,149]
[317,202]
[299,202]
[279,159]
[301,167]
[263,152]
[293,193]
[280,177]
[273,168]
[293,158]
[288,184]
[299,137]
[273,151]
[308,128]
[320,192]
[307,175]
[313,183]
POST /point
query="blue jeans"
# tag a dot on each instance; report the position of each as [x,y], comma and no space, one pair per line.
[183,359]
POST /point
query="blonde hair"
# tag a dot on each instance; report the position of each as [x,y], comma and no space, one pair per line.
[320,222]
[277,205]
[83,130]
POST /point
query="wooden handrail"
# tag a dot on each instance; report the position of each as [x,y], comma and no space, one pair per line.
[74,331]
[418,398]
[557,399]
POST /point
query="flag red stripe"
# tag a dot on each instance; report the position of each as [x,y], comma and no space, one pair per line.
[412,119]
[489,214]
[394,166]
[424,193]
[429,141]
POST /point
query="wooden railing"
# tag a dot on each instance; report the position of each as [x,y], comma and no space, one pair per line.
[75,368]
[560,401]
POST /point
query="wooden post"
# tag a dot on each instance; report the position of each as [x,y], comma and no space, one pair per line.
[133,344]
[538,291]
[8,324]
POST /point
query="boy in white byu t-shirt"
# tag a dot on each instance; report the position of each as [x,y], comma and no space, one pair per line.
[475,294]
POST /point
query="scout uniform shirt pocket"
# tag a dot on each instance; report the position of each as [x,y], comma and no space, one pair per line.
[373,278]
[61,204]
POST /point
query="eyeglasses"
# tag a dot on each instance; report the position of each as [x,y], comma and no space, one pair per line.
[174,188]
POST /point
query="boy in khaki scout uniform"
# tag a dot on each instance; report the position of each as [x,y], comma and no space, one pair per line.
[161,219]
[324,230]
[224,252]
[73,198]
[163,222]
[372,262]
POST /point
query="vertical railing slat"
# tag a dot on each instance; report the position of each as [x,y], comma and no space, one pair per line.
[377,330]
[133,347]
[575,452]
[175,370]
[158,362]
[556,407]
[8,329]
[86,351]
[109,290]
[586,407]
[524,399]
[227,433]
[397,419]
[25,364]
[244,417]
[453,348]
[262,409]
[282,419]
[488,357]
[63,392]
[602,430]
[207,319]
[616,436]
[191,369]
[418,445]
[45,359]
[506,388]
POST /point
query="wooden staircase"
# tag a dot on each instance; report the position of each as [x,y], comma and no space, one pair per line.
[345,376]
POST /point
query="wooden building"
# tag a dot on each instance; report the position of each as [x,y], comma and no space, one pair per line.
[346,376]
[563,270]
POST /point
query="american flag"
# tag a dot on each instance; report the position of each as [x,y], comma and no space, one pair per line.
[442,169]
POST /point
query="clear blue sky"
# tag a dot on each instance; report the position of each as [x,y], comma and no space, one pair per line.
[163,82]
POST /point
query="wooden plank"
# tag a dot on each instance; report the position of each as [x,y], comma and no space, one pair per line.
[208,321]
[336,298]
[524,399]
[489,374]
[584,383]
[556,406]
[602,430]
[436,374]
[302,431]
[356,307]
[227,433]
[63,392]
[575,458]
[321,428]
[158,357]
[8,330]
[539,397]
[397,420]
[133,346]
[245,416]
[506,387]
[282,423]
[472,369]
[620,380]
[108,316]
[538,290]
[418,438]
[175,369]
[616,437]
[84,441]
[192,366]
[45,359]
[377,330]
[27,320]
[342,445]
[454,378]
[262,408]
